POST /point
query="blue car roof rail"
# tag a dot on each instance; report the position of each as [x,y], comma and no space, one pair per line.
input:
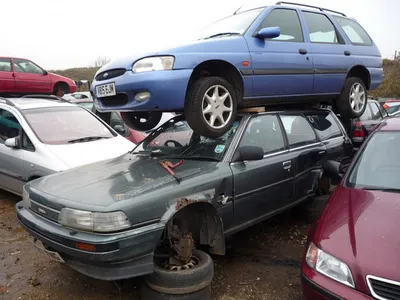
[310,6]
[6,101]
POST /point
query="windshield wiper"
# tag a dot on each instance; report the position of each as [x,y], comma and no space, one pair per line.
[382,189]
[221,34]
[87,139]
[150,153]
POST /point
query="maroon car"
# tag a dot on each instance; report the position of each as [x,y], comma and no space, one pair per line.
[353,249]
[20,76]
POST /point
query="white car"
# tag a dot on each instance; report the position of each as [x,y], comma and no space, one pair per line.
[78,95]
[39,137]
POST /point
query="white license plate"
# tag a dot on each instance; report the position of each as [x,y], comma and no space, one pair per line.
[50,254]
[106,90]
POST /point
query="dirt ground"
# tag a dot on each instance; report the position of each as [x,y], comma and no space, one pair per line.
[261,263]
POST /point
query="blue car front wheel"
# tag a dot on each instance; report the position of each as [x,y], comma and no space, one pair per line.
[211,106]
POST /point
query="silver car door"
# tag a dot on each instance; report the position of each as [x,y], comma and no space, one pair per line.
[11,163]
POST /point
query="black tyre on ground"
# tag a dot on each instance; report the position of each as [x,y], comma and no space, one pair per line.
[324,185]
[313,208]
[352,101]
[148,294]
[183,281]
[210,106]
[141,121]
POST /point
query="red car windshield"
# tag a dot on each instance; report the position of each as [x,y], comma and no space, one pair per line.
[378,166]
[63,125]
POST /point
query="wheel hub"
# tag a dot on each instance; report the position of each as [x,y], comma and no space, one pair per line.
[217,106]
[177,265]
[357,97]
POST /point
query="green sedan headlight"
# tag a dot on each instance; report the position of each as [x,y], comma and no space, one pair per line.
[94,221]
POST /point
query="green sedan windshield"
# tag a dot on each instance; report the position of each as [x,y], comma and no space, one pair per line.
[176,138]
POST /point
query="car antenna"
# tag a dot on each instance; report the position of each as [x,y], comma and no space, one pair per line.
[238,9]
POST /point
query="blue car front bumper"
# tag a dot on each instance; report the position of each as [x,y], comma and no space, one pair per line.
[167,91]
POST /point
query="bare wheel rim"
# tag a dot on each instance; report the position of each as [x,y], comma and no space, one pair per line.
[194,261]
[217,106]
[357,97]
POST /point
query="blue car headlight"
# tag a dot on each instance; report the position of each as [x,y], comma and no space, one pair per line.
[156,63]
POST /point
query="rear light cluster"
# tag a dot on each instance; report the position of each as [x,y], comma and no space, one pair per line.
[358,132]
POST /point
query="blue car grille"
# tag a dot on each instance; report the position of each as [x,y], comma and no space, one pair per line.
[110,74]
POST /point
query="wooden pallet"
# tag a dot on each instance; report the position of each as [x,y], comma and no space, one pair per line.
[252,109]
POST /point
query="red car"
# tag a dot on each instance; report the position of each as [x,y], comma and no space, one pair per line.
[353,249]
[21,76]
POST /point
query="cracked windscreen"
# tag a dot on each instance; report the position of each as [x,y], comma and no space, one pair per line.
[176,138]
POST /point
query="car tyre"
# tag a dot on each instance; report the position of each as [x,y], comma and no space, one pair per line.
[63,87]
[141,121]
[355,94]
[313,207]
[149,294]
[324,186]
[210,107]
[184,281]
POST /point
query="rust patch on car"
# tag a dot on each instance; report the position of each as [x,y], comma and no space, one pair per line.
[183,203]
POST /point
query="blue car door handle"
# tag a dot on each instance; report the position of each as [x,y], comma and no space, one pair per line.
[303,51]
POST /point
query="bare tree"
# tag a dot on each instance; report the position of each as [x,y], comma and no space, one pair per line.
[101,61]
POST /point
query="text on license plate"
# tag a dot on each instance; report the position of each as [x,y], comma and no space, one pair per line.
[106,90]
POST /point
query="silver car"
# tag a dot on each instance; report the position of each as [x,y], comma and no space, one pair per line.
[39,137]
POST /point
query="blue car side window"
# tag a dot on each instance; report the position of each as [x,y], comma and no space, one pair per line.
[288,22]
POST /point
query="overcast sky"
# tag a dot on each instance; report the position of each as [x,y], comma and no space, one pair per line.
[63,34]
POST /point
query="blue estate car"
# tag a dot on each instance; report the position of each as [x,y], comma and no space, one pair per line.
[278,54]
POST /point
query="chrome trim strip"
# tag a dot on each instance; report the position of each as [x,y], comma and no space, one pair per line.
[335,138]
[368,277]
[306,146]
[276,153]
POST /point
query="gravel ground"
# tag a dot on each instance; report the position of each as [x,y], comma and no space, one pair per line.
[262,262]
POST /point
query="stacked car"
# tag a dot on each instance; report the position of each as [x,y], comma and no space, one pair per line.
[231,133]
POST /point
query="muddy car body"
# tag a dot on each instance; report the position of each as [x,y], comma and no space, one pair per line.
[106,220]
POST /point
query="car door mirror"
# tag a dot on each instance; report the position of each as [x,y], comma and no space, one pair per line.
[119,128]
[248,153]
[268,33]
[45,72]
[12,142]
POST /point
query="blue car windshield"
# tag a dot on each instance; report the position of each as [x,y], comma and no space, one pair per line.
[176,138]
[234,24]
